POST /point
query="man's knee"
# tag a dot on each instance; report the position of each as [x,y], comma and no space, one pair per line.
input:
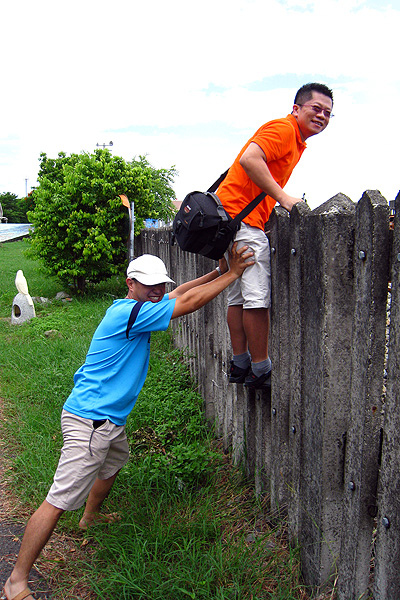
[257,312]
[50,510]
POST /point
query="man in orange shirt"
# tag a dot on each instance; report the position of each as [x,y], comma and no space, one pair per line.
[265,165]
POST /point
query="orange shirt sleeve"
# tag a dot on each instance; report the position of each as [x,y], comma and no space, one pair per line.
[278,141]
[281,143]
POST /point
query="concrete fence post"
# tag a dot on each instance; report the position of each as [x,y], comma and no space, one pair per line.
[239,424]
[263,442]
[215,363]
[297,249]
[371,275]
[387,557]
[210,359]
[280,344]
[326,330]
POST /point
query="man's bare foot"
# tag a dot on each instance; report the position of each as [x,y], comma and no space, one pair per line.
[16,591]
[91,518]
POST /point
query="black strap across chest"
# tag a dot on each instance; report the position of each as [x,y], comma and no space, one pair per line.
[132,317]
[247,209]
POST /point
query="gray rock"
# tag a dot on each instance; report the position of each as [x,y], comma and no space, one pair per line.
[41,300]
[52,333]
[62,296]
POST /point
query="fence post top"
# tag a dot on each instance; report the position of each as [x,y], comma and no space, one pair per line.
[374,197]
[339,204]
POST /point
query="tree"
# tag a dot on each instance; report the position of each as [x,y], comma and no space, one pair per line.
[15,208]
[80,226]
[160,183]
[26,204]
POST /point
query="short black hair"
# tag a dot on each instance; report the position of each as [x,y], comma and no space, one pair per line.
[305,92]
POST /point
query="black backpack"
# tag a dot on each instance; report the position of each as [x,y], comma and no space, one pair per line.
[203,226]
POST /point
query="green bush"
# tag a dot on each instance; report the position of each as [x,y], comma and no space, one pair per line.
[80,224]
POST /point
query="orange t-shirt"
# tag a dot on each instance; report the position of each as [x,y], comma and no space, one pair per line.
[281,143]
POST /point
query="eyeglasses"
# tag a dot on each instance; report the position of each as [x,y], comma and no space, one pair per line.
[318,109]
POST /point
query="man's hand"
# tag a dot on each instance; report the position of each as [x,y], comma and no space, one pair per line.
[195,297]
[289,201]
[239,259]
[254,162]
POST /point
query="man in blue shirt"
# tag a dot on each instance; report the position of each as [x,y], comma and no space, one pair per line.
[105,390]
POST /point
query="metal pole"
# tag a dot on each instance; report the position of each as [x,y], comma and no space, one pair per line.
[130,205]
[132,232]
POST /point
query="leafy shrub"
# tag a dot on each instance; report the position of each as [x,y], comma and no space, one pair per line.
[80,225]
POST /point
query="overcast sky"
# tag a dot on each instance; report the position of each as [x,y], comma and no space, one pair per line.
[187,83]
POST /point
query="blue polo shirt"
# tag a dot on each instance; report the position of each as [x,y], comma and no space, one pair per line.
[115,369]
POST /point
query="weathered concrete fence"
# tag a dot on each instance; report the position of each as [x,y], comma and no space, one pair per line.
[326,445]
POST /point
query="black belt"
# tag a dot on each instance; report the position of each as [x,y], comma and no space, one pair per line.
[97,424]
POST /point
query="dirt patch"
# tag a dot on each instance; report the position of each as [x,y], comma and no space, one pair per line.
[12,524]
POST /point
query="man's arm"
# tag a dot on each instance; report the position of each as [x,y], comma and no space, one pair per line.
[182,289]
[254,162]
[196,297]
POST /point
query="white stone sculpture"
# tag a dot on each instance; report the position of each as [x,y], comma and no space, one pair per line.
[22,286]
[23,308]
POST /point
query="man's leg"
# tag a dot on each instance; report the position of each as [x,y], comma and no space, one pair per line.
[255,289]
[236,329]
[249,330]
[38,531]
[256,327]
[240,364]
[117,447]
[248,314]
[99,492]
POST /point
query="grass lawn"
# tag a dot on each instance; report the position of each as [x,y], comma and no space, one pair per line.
[190,526]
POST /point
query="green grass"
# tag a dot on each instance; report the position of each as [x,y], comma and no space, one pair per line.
[12,259]
[190,525]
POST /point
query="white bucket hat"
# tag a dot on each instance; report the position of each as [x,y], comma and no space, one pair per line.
[148,270]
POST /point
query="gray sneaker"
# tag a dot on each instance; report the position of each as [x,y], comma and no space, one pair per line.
[237,374]
[262,382]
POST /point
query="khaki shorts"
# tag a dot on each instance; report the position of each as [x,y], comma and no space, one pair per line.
[87,453]
[253,288]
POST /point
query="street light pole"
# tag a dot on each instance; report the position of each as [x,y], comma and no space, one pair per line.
[132,232]
[104,145]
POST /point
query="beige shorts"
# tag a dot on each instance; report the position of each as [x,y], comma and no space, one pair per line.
[87,453]
[253,288]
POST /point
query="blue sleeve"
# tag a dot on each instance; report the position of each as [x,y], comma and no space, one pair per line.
[153,316]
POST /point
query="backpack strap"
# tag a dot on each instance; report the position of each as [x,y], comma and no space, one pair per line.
[247,209]
[132,317]
[216,184]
